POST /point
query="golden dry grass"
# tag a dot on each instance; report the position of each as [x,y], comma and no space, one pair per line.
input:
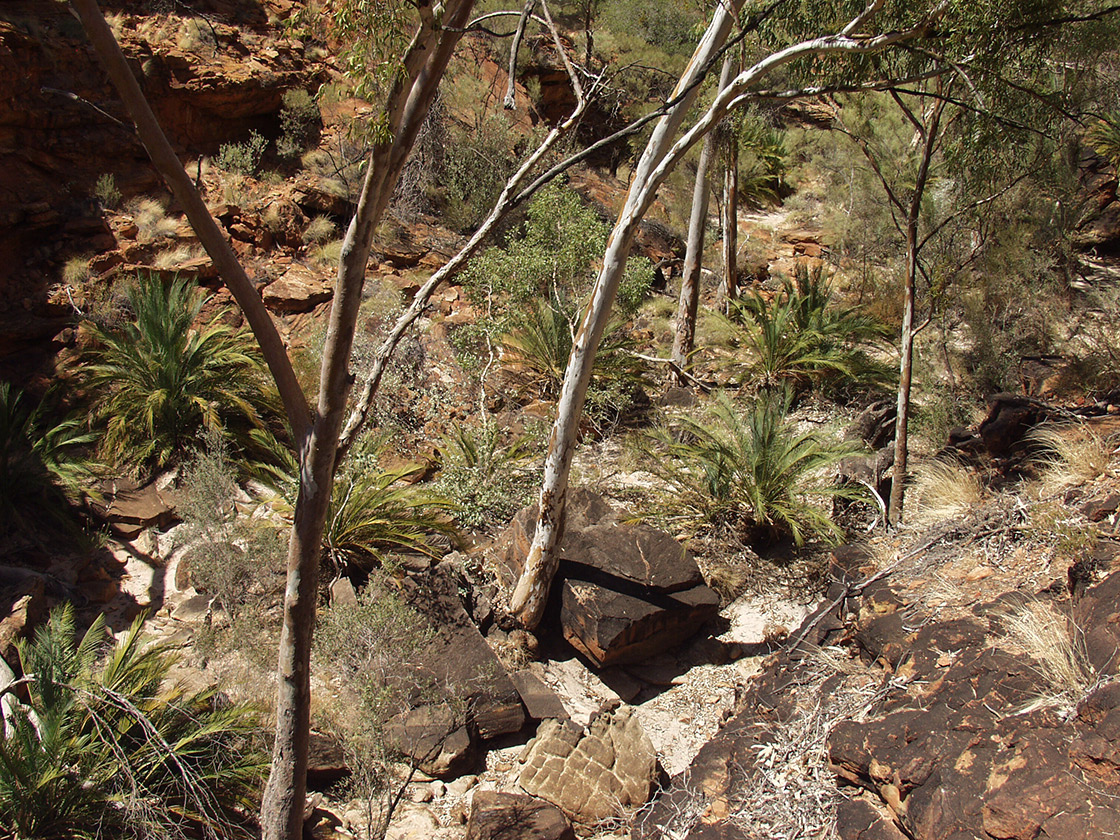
[944,489]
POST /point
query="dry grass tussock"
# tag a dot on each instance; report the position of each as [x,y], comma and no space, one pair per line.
[152,220]
[1072,457]
[1057,647]
[945,489]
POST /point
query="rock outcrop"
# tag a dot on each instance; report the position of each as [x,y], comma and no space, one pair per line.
[623,592]
[593,775]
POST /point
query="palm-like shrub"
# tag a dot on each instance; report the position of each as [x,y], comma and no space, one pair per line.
[158,381]
[41,466]
[539,343]
[800,338]
[372,510]
[751,473]
[107,748]
[1103,137]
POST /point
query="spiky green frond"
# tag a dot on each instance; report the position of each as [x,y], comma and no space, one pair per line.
[748,471]
[112,749]
[160,382]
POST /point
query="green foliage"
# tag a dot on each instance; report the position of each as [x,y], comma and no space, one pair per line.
[232,558]
[107,747]
[42,465]
[299,116]
[751,474]
[539,343]
[671,26]
[319,230]
[486,475]
[243,158]
[762,160]
[1103,138]
[106,192]
[158,381]
[531,287]
[476,162]
[372,511]
[800,339]
[375,649]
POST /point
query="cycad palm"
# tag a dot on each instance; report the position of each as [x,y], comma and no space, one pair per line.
[800,338]
[752,473]
[111,750]
[40,462]
[159,381]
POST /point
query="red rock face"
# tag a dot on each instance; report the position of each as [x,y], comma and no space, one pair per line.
[61,127]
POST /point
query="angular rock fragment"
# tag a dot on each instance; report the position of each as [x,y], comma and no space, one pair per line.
[513,816]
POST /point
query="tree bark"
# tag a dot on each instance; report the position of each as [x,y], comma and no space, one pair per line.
[906,342]
[408,105]
[729,223]
[531,592]
[684,339]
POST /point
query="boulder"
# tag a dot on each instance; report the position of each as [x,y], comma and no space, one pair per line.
[297,290]
[1010,419]
[613,628]
[326,762]
[541,701]
[437,740]
[23,606]
[592,775]
[513,816]
[130,507]
[624,591]
[875,424]
[459,657]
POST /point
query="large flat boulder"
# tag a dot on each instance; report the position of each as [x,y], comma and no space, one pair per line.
[624,591]
[506,816]
[297,290]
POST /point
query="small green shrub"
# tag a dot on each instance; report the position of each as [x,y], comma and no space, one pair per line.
[243,158]
[299,116]
[108,747]
[42,463]
[486,475]
[800,339]
[106,192]
[1103,138]
[747,473]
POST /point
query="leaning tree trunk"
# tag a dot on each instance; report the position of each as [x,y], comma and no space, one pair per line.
[531,592]
[684,339]
[658,159]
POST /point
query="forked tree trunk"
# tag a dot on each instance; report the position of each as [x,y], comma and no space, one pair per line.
[316,438]
[531,593]
[684,340]
[906,342]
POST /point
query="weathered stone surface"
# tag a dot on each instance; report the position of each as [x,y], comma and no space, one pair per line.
[297,290]
[540,700]
[613,628]
[326,762]
[130,507]
[1010,418]
[512,816]
[625,591]
[435,738]
[459,657]
[22,606]
[591,775]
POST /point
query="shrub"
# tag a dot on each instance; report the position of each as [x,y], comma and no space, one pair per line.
[799,339]
[243,158]
[944,489]
[539,341]
[486,476]
[107,747]
[152,220]
[320,229]
[1103,138]
[751,474]
[41,463]
[106,192]
[158,381]
[372,511]
[299,116]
